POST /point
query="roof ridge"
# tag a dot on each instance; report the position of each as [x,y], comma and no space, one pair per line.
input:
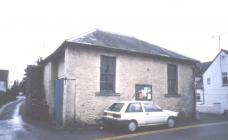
[205,62]
[224,49]
[82,34]
[114,33]
[133,37]
[114,40]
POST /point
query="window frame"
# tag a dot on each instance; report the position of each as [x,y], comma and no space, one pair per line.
[116,106]
[198,99]
[170,78]
[226,76]
[104,91]
[155,108]
[208,81]
[127,109]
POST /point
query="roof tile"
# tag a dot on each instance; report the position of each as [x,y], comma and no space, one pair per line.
[120,42]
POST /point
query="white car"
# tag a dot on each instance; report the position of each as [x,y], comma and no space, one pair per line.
[134,114]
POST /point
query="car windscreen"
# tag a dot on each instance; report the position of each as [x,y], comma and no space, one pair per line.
[116,107]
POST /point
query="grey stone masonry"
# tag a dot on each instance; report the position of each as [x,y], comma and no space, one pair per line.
[82,101]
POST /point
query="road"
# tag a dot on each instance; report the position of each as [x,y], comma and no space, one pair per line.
[13,127]
[11,124]
[212,131]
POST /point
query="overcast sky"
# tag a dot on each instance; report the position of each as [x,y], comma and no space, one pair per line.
[31,29]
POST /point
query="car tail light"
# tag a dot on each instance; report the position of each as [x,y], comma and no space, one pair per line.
[116,115]
[105,113]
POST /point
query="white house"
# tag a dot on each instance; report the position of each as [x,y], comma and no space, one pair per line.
[211,83]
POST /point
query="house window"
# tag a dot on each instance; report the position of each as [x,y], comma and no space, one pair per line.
[198,97]
[143,92]
[107,74]
[172,79]
[225,78]
[208,81]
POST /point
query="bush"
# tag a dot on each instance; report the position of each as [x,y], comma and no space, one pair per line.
[6,97]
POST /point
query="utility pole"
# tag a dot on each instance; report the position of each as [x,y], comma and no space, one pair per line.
[219,38]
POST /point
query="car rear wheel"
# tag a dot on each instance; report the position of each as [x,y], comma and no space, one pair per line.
[132,126]
[171,122]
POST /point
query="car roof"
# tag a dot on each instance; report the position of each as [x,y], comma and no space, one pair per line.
[134,101]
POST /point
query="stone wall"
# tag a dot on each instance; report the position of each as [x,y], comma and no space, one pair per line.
[54,69]
[83,64]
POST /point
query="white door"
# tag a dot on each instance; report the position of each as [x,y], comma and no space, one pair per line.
[135,111]
[154,115]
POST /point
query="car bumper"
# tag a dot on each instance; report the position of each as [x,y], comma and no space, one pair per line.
[114,122]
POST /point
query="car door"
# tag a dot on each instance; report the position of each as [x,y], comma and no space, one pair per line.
[134,111]
[153,114]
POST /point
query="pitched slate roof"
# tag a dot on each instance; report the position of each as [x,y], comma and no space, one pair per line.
[225,51]
[201,68]
[99,38]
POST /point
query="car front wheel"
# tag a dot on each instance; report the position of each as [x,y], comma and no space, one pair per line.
[132,126]
[171,122]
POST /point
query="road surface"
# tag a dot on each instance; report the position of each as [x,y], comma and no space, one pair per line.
[11,124]
[13,127]
[209,131]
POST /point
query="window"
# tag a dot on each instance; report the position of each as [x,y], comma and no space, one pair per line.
[172,78]
[134,107]
[116,107]
[225,78]
[143,92]
[198,97]
[107,74]
[149,107]
[208,81]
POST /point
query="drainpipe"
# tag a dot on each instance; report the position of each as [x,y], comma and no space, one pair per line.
[203,92]
[75,100]
[194,92]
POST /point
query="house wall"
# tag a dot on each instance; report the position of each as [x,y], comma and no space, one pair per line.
[3,87]
[215,92]
[48,88]
[54,69]
[83,65]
